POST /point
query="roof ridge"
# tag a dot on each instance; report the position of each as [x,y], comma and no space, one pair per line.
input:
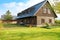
[32,6]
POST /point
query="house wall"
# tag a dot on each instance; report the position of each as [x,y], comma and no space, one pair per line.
[46,20]
[28,21]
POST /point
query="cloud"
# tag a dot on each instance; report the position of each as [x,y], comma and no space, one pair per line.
[9,5]
[1,12]
[33,2]
[18,7]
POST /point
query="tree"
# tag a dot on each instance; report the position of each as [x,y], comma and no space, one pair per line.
[7,16]
[57,7]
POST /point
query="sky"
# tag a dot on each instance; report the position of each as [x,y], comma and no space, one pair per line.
[16,6]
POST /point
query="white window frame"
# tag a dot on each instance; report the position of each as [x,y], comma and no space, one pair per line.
[49,11]
[44,10]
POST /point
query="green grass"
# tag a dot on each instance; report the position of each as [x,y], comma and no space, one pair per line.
[25,33]
[17,32]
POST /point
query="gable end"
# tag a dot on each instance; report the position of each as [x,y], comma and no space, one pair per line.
[50,9]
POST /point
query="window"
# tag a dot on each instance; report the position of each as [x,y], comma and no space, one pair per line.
[45,5]
[42,21]
[50,20]
[48,11]
[44,10]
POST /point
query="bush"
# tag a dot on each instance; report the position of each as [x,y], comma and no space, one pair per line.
[46,26]
[57,21]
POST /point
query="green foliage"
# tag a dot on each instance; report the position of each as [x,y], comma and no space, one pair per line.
[57,7]
[46,26]
[7,16]
[57,21]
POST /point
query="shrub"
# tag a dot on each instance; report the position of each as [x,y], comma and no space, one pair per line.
[57,21]
[46,26]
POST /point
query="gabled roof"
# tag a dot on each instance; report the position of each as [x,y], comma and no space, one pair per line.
[33,12]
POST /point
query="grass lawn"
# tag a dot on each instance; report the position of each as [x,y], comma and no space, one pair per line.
[20,33]
[26,33]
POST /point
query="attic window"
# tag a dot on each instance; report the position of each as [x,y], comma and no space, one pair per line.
[49,11]
[45,5]
[44,10]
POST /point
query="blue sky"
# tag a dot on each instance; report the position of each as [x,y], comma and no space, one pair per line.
[16,6]
[8,1]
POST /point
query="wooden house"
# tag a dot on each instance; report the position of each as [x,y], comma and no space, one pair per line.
[37,15]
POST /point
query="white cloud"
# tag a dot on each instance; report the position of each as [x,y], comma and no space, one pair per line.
[9,5]
[1,12]
[33,2]
[18,7]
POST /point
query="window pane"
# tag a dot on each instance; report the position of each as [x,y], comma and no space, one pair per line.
[48,11]
[50,20]
[44,10]
[42,21]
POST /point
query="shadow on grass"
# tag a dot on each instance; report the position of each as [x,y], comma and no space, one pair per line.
[13,25]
